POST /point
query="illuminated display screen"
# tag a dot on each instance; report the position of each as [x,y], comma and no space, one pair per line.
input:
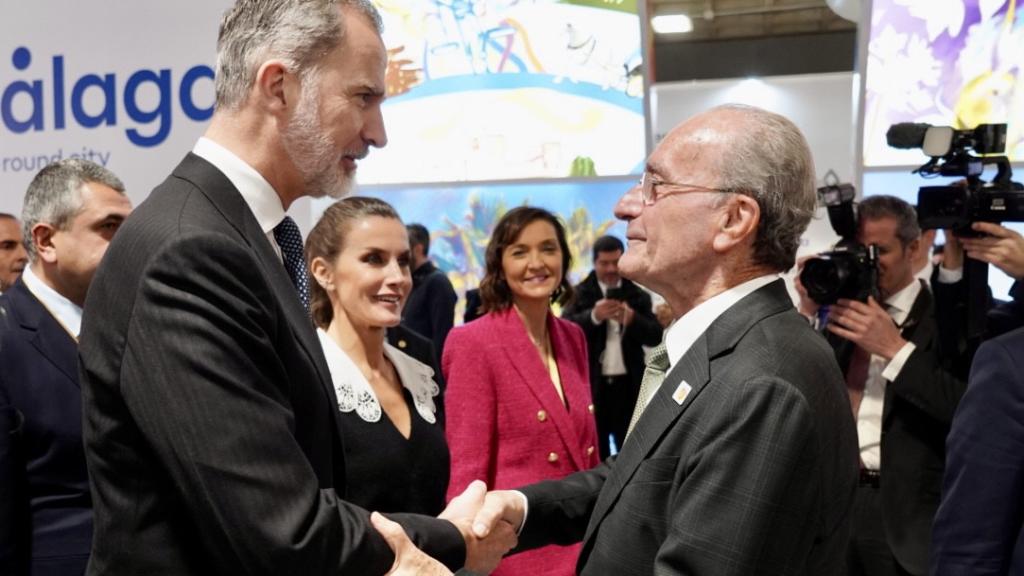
[944,63]
[485,90]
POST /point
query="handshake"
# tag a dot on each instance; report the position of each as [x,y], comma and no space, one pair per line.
[488,522]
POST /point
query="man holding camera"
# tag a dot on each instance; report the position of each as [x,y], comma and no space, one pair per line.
[903,392]
[617,318]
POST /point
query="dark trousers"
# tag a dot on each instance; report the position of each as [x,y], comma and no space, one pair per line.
[869,553]
[614,399]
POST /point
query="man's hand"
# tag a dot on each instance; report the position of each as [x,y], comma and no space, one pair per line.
[952,252]
[1003,248]
[409,560]
[866,325]
[606,309]
[483,553]
[500,506]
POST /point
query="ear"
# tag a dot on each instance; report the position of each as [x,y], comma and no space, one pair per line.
[914,246]
[738,222]
[321,271]
[42,239]
[276,87]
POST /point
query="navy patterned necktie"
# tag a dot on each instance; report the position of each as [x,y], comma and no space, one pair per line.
[290,240]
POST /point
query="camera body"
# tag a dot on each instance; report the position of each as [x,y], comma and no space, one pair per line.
[850,269]
[974,200]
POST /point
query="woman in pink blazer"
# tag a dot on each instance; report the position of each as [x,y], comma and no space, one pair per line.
[518,397]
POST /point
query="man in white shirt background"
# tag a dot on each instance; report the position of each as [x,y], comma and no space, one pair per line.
[71,211]
[903,392]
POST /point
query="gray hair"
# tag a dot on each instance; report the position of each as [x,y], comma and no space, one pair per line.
[772,164]
[54,196]
[882,206]
[299,32]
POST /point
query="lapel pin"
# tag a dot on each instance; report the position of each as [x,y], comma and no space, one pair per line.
[682,391]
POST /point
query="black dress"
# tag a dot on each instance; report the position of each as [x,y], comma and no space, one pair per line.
[386,472]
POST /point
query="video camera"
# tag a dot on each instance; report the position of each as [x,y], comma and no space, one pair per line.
[957,206]
[850,270]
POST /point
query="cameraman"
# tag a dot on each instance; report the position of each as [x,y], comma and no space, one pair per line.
[1000,247]
[902,393]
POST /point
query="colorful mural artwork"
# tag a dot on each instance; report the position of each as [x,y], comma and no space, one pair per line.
[461,219]
[510,89]
[953,63]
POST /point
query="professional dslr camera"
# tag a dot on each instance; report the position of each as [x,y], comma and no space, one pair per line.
[957,206]
[850,270]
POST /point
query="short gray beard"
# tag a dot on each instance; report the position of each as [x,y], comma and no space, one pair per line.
[311,150]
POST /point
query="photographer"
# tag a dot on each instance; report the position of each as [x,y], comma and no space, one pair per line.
[903,392]
[1000,247]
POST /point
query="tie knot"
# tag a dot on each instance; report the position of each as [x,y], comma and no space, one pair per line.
[287,232]
[657,358]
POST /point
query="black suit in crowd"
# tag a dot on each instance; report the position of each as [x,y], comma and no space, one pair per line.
[752,473]
[614,398]
[916,416]
[430,309]
[47,513]
[211,429]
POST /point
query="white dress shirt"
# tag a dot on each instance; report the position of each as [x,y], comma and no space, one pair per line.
[67,313]
[612,362]
[258,194]
[880,373]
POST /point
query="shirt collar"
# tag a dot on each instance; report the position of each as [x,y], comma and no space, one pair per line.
[66,312]
[258,194]
[684,332]
[901,302]
[604,287]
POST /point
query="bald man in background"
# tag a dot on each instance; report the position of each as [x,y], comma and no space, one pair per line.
[13,256]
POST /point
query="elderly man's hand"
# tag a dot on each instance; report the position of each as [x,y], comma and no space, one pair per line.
[866,325]
[409,560]
[1003,248]
[483,550]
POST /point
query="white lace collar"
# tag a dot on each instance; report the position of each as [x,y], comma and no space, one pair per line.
[355,393]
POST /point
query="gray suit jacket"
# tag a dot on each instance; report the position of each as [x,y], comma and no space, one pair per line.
[752,474]
[210,420]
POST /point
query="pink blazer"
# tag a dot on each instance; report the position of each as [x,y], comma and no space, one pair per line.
[506,424]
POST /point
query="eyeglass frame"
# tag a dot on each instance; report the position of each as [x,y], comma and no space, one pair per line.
[648,183]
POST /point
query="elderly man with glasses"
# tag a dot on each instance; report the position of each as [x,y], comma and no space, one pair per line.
[741,457]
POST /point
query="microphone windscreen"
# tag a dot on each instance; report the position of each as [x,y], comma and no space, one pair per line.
[906,134]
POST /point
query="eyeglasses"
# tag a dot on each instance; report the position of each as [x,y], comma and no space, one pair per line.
[648,183]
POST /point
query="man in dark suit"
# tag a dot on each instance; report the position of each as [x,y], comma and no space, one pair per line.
[742,455]
[904,389]
[13,257]
[617,319]
[211,430]
[979,528]
[430,310]
[71,210]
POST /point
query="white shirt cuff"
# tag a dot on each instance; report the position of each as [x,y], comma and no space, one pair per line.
[526,511]
[594,319]
[950,275]
[892,370]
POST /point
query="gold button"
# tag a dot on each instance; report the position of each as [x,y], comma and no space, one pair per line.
[590,450]
[552,457]
[590,408]
[402,344]
[542,416]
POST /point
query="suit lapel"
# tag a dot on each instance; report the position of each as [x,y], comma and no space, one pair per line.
[694,368]
[523,356]
[229,202]
[46,334]
[914,329]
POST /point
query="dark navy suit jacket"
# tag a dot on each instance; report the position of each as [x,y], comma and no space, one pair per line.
[979,529]
[48,516]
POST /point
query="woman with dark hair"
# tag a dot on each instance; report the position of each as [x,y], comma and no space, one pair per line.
[518,397]
[396,458]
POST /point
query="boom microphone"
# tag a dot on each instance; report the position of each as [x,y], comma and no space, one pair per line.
[907,135]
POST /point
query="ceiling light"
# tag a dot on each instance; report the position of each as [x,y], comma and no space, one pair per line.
[672,24]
